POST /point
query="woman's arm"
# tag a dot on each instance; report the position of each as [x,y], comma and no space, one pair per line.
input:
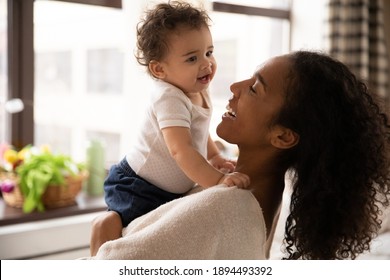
[193,164]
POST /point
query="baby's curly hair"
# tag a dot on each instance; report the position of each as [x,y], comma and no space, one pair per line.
[159,22]
[341,164]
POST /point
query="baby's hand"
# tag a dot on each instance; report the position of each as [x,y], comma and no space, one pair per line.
[238,179]
[222,164]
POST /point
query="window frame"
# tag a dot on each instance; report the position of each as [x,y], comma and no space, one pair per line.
[251,11]
[20,64]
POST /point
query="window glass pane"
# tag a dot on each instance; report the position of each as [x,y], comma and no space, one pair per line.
[3,69]
[105,79]
[54,72]
[56,135]
[110,142]
[78,76]
[242,43]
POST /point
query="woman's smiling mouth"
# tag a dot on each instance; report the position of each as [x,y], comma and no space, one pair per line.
[230,113]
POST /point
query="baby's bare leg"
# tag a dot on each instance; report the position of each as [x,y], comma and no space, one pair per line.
[105,227]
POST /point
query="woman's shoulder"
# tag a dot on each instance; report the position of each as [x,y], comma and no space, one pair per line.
[224,192]
[221,198]
[221,192]
[215,223]
[209,204]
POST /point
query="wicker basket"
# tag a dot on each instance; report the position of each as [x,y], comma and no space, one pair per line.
[54,196]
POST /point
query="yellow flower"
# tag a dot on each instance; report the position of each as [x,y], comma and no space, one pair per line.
[22,153]
[11,156]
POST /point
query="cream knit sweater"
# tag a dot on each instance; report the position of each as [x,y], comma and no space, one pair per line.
[215,223]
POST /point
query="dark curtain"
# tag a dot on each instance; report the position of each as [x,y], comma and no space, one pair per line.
[357,38]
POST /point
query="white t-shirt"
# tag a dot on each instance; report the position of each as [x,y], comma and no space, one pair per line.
[150,157]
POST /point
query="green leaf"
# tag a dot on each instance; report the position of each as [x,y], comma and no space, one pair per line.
[38,172]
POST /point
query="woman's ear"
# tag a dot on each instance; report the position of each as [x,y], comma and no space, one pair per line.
[284,138]
[156,69]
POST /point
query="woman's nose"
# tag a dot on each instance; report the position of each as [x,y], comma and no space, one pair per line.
[234,88]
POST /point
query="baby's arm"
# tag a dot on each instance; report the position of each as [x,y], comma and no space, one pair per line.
[194,165]
[216,160]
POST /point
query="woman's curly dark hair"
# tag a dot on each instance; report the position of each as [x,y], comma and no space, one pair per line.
[341,163]
[159,22]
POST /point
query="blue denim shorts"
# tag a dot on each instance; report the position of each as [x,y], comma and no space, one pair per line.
[130,195]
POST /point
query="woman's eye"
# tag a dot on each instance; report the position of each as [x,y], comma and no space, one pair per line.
[252,89]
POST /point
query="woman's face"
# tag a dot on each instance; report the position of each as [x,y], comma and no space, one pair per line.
[254,105]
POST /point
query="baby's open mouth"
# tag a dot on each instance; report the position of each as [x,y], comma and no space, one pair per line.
[205,78]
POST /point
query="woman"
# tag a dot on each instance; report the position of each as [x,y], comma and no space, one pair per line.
[303,112]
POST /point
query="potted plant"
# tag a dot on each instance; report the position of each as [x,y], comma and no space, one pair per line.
[35,178]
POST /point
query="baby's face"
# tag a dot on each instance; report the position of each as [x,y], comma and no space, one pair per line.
[189,64]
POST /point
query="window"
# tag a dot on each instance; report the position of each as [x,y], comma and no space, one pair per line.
[78,70]
[80,81]
[3,68]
